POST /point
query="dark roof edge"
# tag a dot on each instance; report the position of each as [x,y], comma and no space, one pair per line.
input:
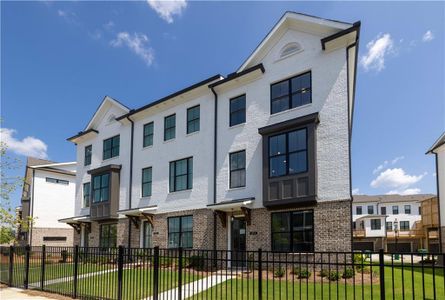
[81,133]
[311,118]
[317,17]
[175,94]
[438,143]
[354,27]
[237,75]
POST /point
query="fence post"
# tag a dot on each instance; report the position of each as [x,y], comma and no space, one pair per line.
[155,273]
[180,274]
[120,271]
[27,252]
[42,274]
[260,274]
[382,274]
[76,270]
[11,264]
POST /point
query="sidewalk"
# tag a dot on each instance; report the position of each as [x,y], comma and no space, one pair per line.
[13,293]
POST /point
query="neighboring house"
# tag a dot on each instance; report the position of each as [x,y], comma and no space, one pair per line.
[48,194]
[390,222]
[259,159]
[438,149]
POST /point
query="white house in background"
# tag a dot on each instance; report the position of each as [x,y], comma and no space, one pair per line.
[378,220]
[48,194]
[438,149]
[231,162]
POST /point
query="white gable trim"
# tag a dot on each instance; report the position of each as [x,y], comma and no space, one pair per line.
[107,101]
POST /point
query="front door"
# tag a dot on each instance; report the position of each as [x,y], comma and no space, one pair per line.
[238,242]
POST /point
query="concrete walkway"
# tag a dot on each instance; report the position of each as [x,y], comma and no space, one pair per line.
[71,278]
[13,293]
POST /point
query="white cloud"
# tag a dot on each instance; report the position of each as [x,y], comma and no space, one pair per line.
[378,48]
[109,25]
[386,162]
[398,158]
[428,36]
[410,191]
[166,9]
[29,146]
[136,43]
[356,191]
[395,178]
[69,16]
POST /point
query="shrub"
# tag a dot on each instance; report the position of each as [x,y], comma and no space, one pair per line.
[323,273]
[64,255]
[279,272]
[197,262]
[334,276]
[348,273]
[301,273]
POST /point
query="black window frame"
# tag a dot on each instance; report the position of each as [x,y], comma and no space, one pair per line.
[107,229]
[389,226]
[88,153]
[370,209]
[171,128]
[173,175]
[195,120]
[101,188]
[180,232]
[395,209]
[237,111]
[144,183]
[292,231]
[147,139]
[404,228]
[290,93]
[357,209]
[407,209]
[383,210]
[86,194]
[374,223]
[113,150]
[56,180]
[237,170]
[144,235]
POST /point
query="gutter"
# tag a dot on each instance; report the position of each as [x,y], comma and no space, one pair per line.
[31,204]
[438,202]
[215,151]
[130,187]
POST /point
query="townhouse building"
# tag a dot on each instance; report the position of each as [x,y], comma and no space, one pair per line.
[257,159]
[394,223]
[48,193]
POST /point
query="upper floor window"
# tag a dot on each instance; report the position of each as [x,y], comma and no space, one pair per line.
[407,209]
[370,209]
[389,226]
[181,175]
[288,153]
[86,194]
[404,225]
[376,224]
[148,134]
[358,210]
[146,182]
[170,127]
[383,210]
[238,110]
[180,232]
[88,154]
[395,210]
[193,114]
[290,93]
[238,169]
[111,147]
[101,188]
[55,180]
[293,231]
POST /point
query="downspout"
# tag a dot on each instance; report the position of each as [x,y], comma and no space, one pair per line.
[31,223]
[130,187]
[438,202]
[215,149]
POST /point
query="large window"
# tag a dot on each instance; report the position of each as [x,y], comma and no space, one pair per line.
[288,153]
[147,232]
[238,110]
[169,127]
[108,235]
[181,174]
[395,210]
[376,224]
[146,182]
[293,231]
[358,210]
[111,147]
[87,157]
[86,194]
[180,232]
[55,180]
[404,225]
[291,93]
[238,169]
[148,134]
[193,119]
[101,188]
[407,209]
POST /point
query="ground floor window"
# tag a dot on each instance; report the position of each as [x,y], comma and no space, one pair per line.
[293,231]
[85,237]
[147,232]
[108,235]
[404,225]
[376,224]
[180,232]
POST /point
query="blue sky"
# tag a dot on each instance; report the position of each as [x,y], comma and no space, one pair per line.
[58,61]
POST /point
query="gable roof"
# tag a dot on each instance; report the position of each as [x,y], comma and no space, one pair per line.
[439,142]
[105,104]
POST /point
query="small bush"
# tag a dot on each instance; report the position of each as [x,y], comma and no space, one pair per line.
[323,273]
[301,273]
[334,276]
[65,255]
[197,262]
[348,273]
[280,272]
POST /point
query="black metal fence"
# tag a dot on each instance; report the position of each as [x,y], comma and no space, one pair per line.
[136,273]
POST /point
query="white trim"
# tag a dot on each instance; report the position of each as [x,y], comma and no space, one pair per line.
[110,100]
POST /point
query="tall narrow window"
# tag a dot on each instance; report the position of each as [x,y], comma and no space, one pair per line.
[358,210]
[238,169]
[88,153]
[180,232]
[290,93]
[146,182]
[181,174]
[407,209]
[193,115]
[147,235]
[383,210]
[101,188]
[238,110]
[370,209]
[86,194]
[108,235]
[395,210]
[169,127]
[111,147]
[293,231]
[148,134]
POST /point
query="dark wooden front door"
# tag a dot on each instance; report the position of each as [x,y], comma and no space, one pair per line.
[238,242]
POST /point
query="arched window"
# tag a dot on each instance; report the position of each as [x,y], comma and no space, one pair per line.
[290,49]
